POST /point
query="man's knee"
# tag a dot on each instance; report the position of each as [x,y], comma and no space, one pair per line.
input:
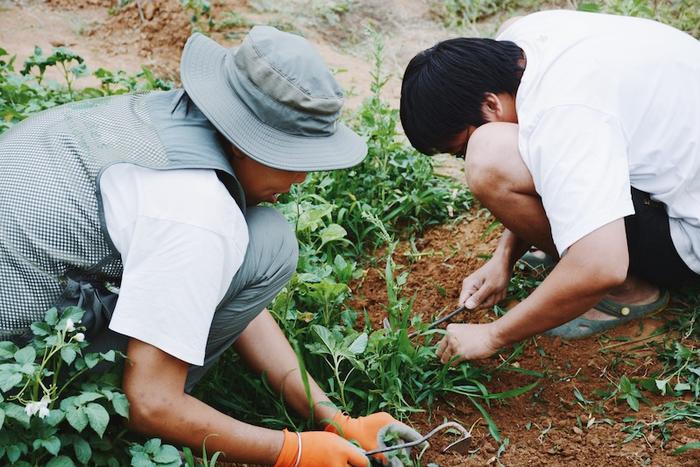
[493,162]
[272,243]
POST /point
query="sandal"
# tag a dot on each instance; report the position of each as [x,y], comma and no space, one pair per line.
[538,261]
[580,328]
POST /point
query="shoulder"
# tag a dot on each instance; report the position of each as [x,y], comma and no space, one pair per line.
[195,197]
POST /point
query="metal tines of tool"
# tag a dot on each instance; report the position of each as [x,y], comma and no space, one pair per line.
[461,446]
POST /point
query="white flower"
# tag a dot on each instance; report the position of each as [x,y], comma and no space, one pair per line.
[80,337]
[43,412]
[41,407]
[70,326]
[31,408]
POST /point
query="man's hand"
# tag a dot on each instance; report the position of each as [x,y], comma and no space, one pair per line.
[487,285]
[468,342]
[319,449]
[368,430]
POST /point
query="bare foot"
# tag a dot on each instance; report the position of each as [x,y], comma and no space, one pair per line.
[633,291]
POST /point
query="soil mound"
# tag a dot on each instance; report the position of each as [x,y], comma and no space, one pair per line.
[155,30]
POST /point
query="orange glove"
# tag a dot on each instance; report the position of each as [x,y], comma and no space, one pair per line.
[369,431]
[319,449]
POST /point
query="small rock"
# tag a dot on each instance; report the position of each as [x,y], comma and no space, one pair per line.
[578,430]
[149,10]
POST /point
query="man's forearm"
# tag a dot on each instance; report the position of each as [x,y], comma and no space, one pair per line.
[188,422]
[563,296]
[266,350]
[594,266]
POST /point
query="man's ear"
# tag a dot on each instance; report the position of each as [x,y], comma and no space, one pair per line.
[491,108]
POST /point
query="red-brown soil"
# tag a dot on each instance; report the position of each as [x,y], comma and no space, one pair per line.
[448,254]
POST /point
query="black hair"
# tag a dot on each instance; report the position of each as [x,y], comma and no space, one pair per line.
[444,86]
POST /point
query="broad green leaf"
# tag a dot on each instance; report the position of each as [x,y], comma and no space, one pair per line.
[9,380]
[73,313]
[83,451]
[332,233]
[141,459]
[661,385]
[51,317]
[7,350]
[2,418]
[359,345]
[633,402]
[121,405]
[308,277]
[167,454]
[13,453]
[86,397]
[40,329]
[68,354]
[325,336]
[25,355]
[682,387]
[110,355]
[16,412]
[60,461]
[92,359]
[55,417]
[97,417]
[52,444]
[77,418]
[152,446]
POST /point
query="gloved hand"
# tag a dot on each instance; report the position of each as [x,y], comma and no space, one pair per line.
[319,449]
[370,431]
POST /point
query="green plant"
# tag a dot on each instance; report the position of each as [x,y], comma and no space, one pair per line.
[55,412]
[30,91]
[681,14]
[200,12]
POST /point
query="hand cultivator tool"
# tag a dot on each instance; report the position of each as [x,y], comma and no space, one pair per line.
[432,325]
[460,446]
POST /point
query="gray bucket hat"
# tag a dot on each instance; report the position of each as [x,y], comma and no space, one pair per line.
[273,98]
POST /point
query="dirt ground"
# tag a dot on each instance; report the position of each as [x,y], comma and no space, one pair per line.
[541,425]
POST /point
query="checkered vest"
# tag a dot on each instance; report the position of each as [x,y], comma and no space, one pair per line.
[51,218]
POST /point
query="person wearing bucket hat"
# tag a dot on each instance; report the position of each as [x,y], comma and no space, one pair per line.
[581,134]
[143,211]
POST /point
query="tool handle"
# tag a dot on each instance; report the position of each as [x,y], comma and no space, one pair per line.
[438,322]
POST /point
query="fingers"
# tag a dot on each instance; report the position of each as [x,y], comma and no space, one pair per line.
[357,458]
[479,297]
[450,348]
[470,286]
[442,346]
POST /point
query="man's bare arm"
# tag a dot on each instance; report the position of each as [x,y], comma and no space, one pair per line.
[154,382]
[592,267]
[265,349]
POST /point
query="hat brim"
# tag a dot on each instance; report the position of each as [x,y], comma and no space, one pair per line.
[204,78]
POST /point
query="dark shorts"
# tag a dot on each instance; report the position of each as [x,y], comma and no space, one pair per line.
[652,254]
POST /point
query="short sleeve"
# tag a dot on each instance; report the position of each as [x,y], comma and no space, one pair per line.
[182,238]
[578,160]
[174,277]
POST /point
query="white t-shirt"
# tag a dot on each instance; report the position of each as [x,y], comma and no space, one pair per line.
[606,102]
[182,238]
